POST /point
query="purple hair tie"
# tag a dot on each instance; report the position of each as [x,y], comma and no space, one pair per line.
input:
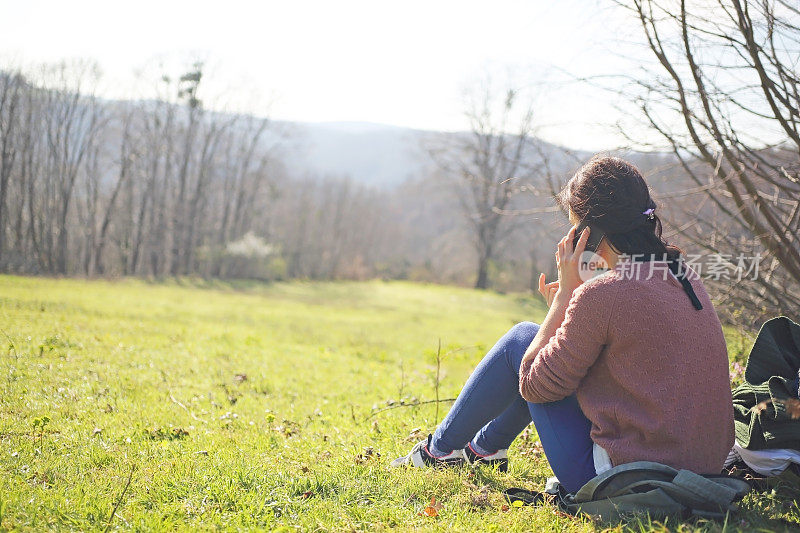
[649,213]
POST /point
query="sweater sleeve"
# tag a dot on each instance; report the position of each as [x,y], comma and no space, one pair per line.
[557,369]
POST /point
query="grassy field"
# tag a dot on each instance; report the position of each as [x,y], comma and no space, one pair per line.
[242,406]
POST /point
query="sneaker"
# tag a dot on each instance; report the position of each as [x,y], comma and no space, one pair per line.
[498,458]
[420,457]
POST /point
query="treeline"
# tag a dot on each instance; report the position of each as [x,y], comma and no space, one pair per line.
[134,188]
[167,187]
[159,187]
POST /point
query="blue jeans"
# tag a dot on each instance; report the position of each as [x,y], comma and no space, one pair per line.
[490,413]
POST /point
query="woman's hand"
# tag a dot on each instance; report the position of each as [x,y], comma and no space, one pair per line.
[568,261]
[548,290]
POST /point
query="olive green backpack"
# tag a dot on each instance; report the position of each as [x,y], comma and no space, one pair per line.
[644,487]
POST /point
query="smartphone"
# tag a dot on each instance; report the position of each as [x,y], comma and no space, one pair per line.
[595,236]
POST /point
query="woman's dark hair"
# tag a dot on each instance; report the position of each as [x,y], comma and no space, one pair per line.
[611,194]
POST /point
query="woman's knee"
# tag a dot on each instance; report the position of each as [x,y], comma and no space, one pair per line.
[523,332]
[518,339]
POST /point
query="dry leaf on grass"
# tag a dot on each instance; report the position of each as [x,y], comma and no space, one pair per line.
[415,435]
[432,510]
[367,455]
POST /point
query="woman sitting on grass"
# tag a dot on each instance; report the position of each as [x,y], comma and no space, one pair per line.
[630,365]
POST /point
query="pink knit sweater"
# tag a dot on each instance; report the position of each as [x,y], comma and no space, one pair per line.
[650,372]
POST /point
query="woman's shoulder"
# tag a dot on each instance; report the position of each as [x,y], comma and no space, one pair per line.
[600,287]
[605,281]
[605,287]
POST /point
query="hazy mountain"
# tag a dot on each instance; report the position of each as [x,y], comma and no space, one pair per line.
[376,154]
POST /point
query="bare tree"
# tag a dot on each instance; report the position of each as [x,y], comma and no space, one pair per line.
[11,87]
[126,156]
[29,236]
[149,234]
[72,119]
[242,179]
[489,164]
[189,84]
[726,100]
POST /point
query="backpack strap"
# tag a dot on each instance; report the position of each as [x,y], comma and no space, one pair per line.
[705,489]
[600,486]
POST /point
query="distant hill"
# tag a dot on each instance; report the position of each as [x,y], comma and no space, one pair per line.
[374,154]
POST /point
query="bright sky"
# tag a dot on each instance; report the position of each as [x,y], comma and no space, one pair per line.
[403,63]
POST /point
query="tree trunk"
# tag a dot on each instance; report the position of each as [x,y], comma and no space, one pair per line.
[483,271]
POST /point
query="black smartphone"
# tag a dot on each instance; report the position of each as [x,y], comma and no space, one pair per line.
[595,236]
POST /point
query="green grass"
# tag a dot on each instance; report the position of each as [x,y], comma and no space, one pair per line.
[249,406]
